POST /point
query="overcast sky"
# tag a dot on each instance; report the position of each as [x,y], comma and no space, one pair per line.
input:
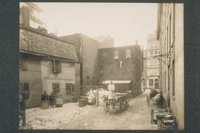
[125,22]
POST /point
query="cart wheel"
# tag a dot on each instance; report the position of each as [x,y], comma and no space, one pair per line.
[121,106]
[106,106]
[124,105]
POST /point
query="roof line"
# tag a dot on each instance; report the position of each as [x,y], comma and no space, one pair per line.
[44,34]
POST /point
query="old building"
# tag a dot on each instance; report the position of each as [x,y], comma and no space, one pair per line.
[106,41]
[87,52]
[29,15]
[151,62]
[121,63]
[47,63]
[171,36]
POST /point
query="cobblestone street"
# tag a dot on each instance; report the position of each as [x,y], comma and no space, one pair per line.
[71,116]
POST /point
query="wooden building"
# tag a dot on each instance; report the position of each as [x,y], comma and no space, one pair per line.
[49,64]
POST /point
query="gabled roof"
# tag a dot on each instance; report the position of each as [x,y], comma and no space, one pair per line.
[35,42]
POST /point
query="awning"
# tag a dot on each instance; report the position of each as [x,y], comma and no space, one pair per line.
[117,81]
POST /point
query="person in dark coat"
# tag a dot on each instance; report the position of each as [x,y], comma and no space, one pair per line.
[52,100]
[45,100]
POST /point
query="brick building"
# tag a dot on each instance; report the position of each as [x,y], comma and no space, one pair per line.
[121,63]
[47,64]
[171,36]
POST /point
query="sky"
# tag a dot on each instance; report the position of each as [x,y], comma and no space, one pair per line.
[124,22]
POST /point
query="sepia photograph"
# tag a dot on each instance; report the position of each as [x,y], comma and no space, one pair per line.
[101,66]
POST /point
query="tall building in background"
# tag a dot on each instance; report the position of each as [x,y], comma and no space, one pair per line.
[106,41]
[171,36]
[87,52]
[151,63]
[29,15]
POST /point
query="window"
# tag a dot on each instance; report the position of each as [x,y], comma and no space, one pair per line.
[150,82]
[151,53]
[56,87]
[116,55]
[155,52]
[56,66]
[69,88]
[128,53]
[156,83]
[24,88]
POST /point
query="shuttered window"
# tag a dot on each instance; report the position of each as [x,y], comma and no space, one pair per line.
[56,66]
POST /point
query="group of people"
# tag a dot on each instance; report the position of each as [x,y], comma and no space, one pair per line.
[53,100]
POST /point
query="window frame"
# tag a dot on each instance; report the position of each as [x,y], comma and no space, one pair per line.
[150,82]
[56,66]
[116,54]
[128,53]
[55,87]
[69,87]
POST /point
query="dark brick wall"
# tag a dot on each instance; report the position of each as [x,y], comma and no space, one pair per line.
[131,68]
[87,52]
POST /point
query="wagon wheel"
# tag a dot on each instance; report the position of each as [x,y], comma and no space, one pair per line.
[126,105]
[122,105]
[106,106]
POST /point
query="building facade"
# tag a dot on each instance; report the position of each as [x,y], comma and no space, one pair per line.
[47,64]
[121,63]
[151,67]
[87,52]
[171,36]
[29,15]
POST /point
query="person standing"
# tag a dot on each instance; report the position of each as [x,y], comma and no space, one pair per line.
[111,94]
[52,99]
[45,100]
[58,99]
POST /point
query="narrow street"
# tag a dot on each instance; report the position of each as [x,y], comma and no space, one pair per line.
[71,116]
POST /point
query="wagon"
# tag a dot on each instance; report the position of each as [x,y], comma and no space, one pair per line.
[120,102]
[122,95]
